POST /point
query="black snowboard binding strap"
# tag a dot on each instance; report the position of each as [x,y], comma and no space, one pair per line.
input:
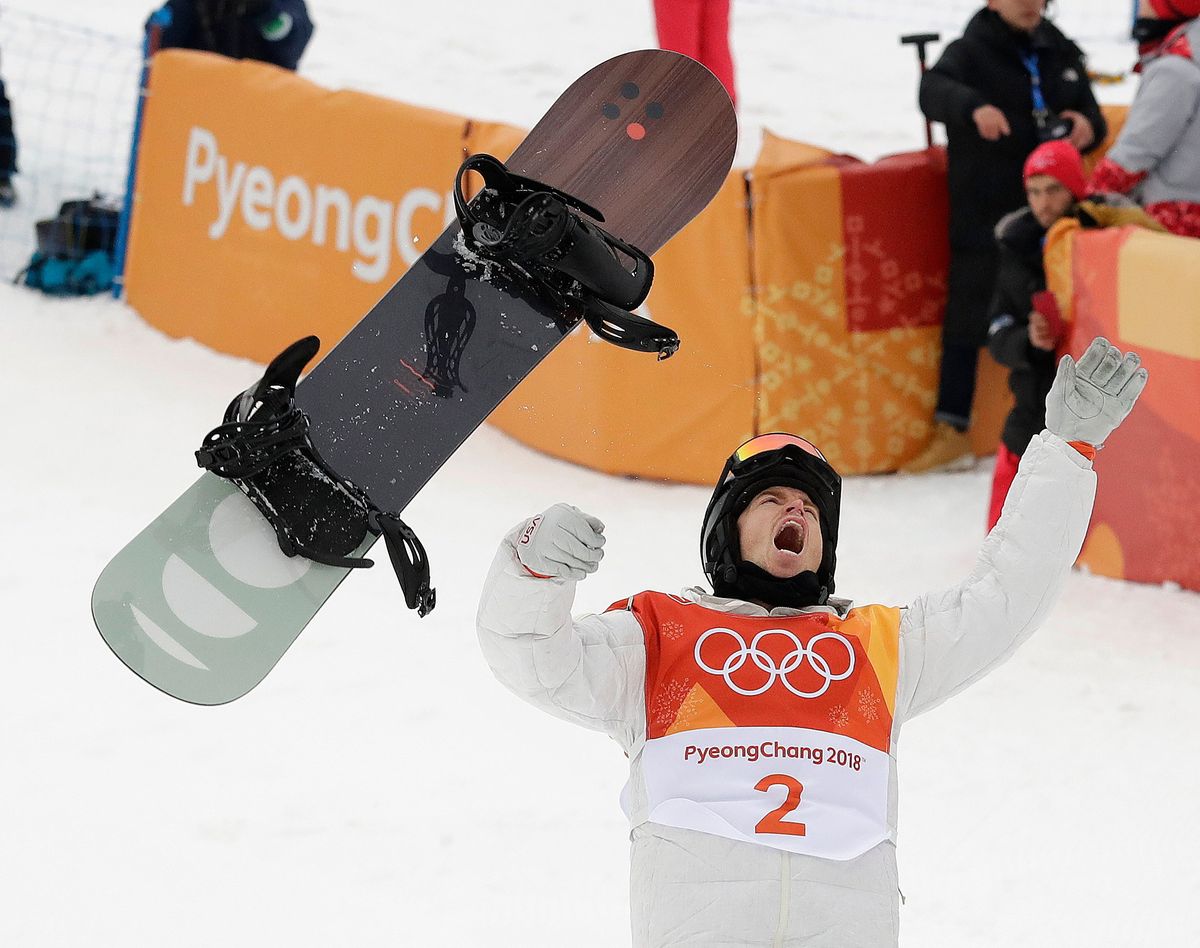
[546,235]
[263,446]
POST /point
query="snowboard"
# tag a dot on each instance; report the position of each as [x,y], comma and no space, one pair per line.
[202,603]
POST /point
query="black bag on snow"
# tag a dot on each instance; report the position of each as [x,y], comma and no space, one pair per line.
[75,253]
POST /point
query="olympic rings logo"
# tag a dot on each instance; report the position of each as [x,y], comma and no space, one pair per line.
[794,659]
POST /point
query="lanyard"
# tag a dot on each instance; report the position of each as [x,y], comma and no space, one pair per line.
[1040,112]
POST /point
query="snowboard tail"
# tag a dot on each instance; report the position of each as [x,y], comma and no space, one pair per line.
[202,603]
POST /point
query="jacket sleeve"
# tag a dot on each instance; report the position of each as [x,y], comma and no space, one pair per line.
[1166,102]
[1008,327]
[945,95]
[953,637]
[589,670]
[1008,339]
[286,28]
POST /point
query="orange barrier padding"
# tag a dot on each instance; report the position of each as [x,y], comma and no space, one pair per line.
[782,154]
[1138,289]
[622,412]
[267,208]
[493,138]
[993,401]
[849,269]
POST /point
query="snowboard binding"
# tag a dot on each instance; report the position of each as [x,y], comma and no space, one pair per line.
[545,235]
[263,446]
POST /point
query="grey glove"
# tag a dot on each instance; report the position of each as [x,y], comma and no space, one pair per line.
[1089,399]
[561,543]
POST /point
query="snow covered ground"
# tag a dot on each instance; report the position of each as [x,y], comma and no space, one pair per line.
[379,788]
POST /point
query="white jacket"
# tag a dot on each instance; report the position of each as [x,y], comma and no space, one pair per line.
[692,888]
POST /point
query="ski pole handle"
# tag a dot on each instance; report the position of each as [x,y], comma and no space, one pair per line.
[920,41]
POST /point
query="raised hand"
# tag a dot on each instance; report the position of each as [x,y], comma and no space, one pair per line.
[561,543]
[1089,399]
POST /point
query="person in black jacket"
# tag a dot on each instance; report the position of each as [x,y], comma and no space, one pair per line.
[1026,333]
[1010,82]
[271,31]
[1021,335]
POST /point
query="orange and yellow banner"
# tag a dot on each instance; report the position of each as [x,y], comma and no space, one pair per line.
[850,276]
[267,208]
[807,295]
[1139,289]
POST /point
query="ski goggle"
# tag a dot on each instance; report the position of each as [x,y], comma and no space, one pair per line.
[766,444]
[773,442]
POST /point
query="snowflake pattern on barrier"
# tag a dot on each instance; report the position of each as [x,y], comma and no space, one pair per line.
[880,292]
[838,716]
[865,397]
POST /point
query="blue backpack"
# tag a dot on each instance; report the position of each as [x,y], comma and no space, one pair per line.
[74,255]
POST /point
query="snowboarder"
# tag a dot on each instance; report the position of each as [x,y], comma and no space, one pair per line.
[760,720]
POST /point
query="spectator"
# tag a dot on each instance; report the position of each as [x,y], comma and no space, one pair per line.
[1022,336]
[273,31]
[761,721]
[1011,81]
[8,151]
[1156,158]
[700,29]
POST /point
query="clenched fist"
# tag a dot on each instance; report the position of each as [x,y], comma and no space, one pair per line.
[561,543]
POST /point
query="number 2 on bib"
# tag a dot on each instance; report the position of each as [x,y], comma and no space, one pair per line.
[774,821]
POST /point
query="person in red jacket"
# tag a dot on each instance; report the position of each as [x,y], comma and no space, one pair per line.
[700,29]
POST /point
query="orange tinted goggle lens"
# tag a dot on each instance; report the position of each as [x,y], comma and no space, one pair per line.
[773,442]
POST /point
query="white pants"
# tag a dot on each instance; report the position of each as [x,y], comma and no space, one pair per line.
[694,889]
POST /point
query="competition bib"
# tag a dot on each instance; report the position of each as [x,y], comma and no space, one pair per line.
[773,730]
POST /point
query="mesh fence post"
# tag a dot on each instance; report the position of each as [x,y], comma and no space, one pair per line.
[150,45]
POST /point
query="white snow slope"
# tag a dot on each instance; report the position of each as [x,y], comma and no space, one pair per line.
[379,788]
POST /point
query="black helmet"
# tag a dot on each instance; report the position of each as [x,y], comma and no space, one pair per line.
[770,460]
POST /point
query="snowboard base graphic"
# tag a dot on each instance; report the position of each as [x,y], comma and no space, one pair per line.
[206,615]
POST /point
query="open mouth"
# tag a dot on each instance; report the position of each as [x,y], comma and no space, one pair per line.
[790,538]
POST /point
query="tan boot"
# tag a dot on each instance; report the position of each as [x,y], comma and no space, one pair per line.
[946,449]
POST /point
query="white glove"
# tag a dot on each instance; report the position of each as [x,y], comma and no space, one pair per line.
[1089,399]
[561,543]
